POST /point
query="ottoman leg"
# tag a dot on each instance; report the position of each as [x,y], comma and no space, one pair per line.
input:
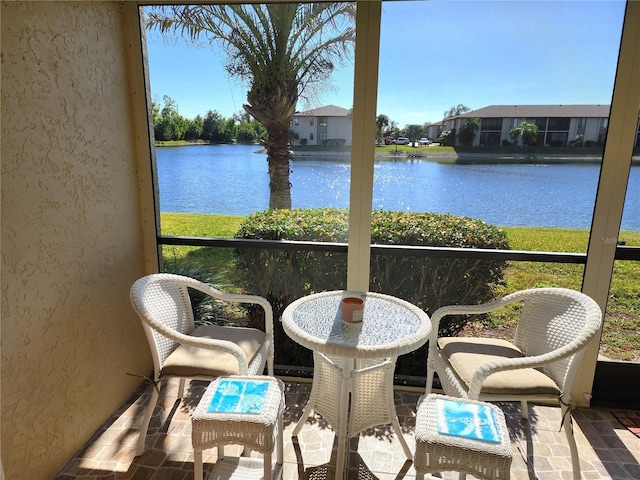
[280,441]
[197,464]
[267,466]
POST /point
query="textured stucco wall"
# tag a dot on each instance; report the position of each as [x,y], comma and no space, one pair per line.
[71,242]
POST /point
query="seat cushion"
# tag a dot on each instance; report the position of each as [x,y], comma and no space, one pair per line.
[189,361]
[466,354]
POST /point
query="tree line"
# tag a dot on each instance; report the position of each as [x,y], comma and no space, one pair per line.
[169,125]
[387,129]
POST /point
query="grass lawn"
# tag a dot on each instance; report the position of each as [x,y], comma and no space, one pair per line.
[621,339]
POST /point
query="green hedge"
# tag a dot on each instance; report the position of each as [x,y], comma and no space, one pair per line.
[428,282]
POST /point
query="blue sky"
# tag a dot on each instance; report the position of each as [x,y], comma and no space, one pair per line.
[437,54]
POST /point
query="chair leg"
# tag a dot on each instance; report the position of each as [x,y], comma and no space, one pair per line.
[303,417]
[144,426]
[429,384]
[568,428]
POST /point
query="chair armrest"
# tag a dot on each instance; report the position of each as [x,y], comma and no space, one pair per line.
[442,312]
[503,364]
[240,298]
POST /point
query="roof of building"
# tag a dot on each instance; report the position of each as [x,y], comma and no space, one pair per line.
[531,111]
[326,111]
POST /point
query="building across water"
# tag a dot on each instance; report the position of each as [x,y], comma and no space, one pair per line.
[557,125]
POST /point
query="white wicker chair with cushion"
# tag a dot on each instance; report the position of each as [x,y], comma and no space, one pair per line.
[179,349]
[538,365]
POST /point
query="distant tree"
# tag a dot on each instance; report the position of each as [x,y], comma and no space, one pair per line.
[242,116]
[392,129]
[457,110]
[250,131]
[467,132]
[229,130]
[194,130]
[281,50]
[168,124]
[527,131]
[413,132]
[213,127]
[382,122]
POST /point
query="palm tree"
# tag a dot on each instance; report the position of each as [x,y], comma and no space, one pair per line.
[382,121]
[455,111]
[280,50]
[527,130]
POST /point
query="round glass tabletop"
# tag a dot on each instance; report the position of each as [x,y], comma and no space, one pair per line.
[390,326]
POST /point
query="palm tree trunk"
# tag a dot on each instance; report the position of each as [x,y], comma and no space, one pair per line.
[274,110]
[278,156]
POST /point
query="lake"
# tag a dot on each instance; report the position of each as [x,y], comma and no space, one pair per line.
[233,180]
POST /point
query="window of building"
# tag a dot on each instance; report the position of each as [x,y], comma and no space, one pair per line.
[323,121]
[488,124]
[490,139]
[559,123]
[557,139]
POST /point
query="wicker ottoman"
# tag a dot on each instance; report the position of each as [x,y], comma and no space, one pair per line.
[238,410]
[461,435]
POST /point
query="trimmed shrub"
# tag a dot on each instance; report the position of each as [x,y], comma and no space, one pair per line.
[447,138]
[428,282]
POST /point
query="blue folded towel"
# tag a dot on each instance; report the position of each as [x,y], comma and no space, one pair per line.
[238,396]
[468,420]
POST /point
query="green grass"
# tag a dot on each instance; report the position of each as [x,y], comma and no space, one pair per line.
[213,264]
[621,339]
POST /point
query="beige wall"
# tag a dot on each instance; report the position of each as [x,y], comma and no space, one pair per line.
[71,229]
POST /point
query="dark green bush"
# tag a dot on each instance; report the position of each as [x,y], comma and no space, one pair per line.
[205,309]
[283,276]
[447,138]
[428,282]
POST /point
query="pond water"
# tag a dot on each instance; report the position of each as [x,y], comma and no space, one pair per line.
[233,180]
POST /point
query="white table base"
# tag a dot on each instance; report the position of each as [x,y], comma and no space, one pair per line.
[365,390]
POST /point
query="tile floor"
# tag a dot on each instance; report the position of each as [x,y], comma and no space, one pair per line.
[607,449]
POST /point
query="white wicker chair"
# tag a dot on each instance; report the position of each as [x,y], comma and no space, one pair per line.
[538,365]
[179,349]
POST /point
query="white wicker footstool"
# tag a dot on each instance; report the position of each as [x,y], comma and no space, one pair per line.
[461,435]
[239,411]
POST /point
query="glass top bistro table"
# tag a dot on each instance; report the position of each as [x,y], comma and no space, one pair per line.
[354,362]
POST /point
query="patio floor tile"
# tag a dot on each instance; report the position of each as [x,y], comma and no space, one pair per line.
[608,445]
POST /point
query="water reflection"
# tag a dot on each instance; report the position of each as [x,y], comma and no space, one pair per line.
[233,180]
